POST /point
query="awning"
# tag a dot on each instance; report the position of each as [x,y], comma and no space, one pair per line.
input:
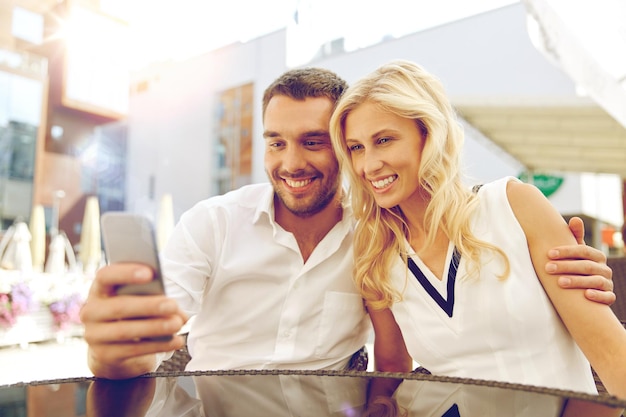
[587,41]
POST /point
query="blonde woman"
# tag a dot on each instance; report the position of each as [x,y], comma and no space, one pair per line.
[455,279]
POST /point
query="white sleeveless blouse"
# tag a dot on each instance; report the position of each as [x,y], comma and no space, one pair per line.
[486,328]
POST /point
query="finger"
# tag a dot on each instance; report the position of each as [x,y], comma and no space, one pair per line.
[111,276]
[128,307]
[118,353]
[577,226]
[592,282]
[131,331]
[578,267]
[577,252]
[603,297]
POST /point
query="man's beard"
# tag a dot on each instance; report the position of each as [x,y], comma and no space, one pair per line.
[313,205]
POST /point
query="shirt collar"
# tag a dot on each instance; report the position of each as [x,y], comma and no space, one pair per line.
[266,207]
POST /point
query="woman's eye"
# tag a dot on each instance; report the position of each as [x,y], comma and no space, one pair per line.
[384,140]
[353,148]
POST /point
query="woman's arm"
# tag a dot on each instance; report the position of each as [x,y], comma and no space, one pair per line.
[390,354]
[593,326]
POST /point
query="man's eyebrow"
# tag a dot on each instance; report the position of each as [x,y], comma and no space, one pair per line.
[316,133]
[270,134]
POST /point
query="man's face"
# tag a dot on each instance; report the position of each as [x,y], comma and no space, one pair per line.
[299,158]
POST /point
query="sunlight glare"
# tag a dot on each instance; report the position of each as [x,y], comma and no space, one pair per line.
[162,30]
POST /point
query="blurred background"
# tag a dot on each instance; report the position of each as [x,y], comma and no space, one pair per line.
[150,106]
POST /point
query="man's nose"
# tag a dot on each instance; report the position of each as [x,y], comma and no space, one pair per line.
[294,159]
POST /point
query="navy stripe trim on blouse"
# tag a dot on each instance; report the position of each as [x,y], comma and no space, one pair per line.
[452,411]
[446,305]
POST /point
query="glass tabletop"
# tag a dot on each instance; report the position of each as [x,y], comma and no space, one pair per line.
[296,393]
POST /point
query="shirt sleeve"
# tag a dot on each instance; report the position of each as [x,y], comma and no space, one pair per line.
[189,255]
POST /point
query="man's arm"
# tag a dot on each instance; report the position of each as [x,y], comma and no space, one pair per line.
[582,266]
[116,326]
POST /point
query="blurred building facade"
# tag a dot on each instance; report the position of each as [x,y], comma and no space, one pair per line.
[63,106]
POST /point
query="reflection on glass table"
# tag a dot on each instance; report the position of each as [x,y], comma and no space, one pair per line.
[297,393]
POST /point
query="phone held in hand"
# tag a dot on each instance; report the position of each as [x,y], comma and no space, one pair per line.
[129,237]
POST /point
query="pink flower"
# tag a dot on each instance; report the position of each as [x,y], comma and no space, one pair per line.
[7,317]
[18,302]
[66,311]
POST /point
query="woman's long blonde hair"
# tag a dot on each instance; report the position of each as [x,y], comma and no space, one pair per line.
[407,90]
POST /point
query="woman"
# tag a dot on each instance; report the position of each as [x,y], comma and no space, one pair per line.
[454,278]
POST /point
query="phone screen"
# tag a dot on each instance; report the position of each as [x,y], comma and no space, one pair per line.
[130,237]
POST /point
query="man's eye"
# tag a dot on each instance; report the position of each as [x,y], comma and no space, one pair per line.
[312,143]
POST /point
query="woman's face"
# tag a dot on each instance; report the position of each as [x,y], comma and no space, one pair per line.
[386,152]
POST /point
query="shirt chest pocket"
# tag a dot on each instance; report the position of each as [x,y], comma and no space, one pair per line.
[343,324]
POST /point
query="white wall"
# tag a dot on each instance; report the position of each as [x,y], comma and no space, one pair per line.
[485,56]
[602,197]
[172,124]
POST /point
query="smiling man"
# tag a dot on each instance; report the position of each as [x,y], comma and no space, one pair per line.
[302,168]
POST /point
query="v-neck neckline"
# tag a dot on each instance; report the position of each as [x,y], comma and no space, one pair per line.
[440,290]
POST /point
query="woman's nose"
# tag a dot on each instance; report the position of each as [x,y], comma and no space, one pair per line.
[372,162]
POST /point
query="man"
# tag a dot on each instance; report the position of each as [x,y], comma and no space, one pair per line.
[266,269]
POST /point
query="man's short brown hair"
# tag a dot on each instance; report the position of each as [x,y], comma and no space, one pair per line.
[306,82]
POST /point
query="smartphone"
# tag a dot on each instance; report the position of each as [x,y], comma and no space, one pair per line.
[129,237]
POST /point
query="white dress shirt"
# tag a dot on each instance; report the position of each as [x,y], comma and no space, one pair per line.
[257,304]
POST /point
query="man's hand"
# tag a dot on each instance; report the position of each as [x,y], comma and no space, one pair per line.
[581,266]
[116,326]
